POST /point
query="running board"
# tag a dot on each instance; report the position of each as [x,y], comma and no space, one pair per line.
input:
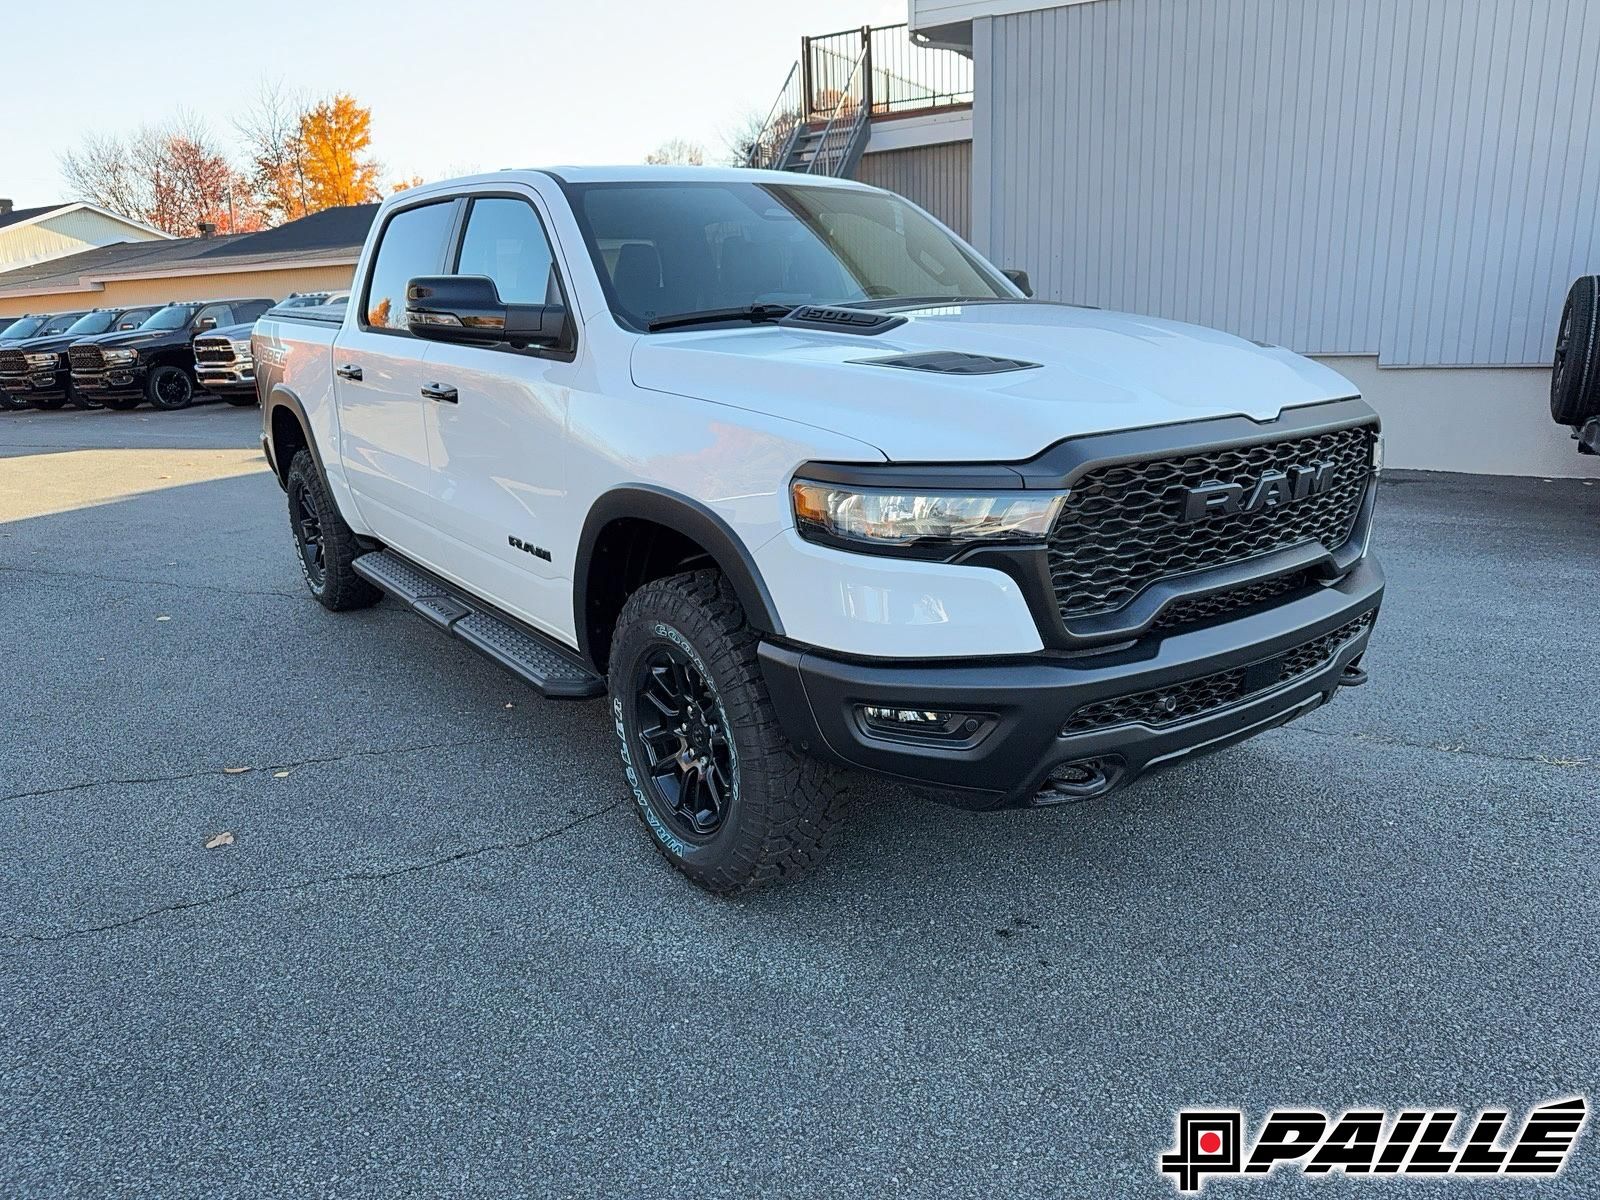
[552,669]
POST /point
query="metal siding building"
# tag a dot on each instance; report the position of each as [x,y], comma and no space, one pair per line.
[1414,183]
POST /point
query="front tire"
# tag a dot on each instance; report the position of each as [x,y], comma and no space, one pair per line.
[11,403]
[50,403]
[716,784]
[122,403]
[240,399]
[169,388]
[324,545]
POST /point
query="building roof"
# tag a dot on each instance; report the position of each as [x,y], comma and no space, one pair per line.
[331,237]
[28,216]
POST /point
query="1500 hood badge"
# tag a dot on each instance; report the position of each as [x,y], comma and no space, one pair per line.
[1273,490]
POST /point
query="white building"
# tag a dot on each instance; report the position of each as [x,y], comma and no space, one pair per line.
[1405,188]
[33,235]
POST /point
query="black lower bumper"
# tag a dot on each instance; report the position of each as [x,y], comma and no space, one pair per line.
[36,385]
[116,383]
[1124,712]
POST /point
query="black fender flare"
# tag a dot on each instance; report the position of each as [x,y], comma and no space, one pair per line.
[284,397]
[690,518]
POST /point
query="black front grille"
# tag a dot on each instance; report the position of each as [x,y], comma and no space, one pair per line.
[1122,528]
[1198,697]
[13,362]
[86,358]
[218,352]
[1206,608]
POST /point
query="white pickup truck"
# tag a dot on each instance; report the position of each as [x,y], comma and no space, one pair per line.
[799,482]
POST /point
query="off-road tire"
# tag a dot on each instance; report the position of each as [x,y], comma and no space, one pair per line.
[336,586]
[122,403]
[784,806]
[163,391]
[1575,376]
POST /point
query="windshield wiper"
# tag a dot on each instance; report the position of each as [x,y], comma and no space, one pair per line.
[752,312]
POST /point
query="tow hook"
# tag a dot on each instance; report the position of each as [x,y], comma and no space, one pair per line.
[1353,676]
[1075,782]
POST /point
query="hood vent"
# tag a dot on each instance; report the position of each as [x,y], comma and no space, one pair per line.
[841,320]
[950,362]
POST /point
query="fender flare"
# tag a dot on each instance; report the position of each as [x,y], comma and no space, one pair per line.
[693,520]
[284,397]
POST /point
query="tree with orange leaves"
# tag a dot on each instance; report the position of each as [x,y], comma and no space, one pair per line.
[335,135]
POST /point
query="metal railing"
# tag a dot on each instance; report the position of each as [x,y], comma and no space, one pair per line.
[875,72]
[845,122]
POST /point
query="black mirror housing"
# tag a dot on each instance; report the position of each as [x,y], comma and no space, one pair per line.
[467,309]
[1019,277]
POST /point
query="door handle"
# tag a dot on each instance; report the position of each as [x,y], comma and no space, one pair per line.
[347,371]
[440,391]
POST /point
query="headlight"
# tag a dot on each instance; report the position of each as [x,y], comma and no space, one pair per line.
[120,358]
[43,362]
[920,522]
[241,349]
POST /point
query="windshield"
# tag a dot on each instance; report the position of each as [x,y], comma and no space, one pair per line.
[59,324]
[22,327]
[670,249]
[95,322]
[174,316]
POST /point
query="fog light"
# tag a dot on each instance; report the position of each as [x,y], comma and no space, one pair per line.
[918,722]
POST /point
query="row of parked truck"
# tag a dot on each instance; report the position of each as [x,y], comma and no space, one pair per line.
[161,355]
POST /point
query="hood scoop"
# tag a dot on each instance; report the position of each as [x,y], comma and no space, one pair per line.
[950,362]
[841,320]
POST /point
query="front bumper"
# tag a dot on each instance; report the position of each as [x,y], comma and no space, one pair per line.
[35,385]
[226,379]
[1022,705]
[113,381]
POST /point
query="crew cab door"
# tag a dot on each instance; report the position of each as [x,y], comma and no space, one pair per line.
[379,372]
[496,429]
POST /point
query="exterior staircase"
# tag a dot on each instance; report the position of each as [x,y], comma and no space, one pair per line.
[822,118]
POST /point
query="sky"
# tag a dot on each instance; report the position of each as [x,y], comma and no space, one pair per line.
[453,86]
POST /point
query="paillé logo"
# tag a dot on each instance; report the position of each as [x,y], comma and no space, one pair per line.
[1366,1142]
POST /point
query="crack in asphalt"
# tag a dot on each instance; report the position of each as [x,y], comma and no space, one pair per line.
[316,881]
[385,752]
[198,587]
[1542,760]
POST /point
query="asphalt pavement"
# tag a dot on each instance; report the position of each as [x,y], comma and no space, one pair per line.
[439,958]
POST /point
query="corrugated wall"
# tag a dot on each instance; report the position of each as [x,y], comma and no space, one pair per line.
[939,178]
[1415,179]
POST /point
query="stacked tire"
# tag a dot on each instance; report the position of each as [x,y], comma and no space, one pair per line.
[1575,378]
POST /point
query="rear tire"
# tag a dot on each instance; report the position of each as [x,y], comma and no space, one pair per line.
[325,546]
[716,784]
[1575,376]
[169,388]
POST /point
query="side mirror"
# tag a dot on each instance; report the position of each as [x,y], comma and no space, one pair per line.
[1020,278]
[467,309]
[205,324]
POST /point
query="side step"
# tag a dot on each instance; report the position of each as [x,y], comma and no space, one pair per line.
[552,669]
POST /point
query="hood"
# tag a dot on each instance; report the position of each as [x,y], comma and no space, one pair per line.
[1098,372]
[36,345]
[234,333]
[133,337]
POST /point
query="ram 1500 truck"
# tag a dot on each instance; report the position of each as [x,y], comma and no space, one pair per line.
[222,361]
[36,370]
[798,481]
[13,357]
[154,362]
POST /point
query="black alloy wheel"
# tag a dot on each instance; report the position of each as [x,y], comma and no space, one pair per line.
[684,731]
[306,519]
[171,388]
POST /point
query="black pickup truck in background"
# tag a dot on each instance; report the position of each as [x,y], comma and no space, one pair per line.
[222,360]
[17,335]
[155,362]
[34,371]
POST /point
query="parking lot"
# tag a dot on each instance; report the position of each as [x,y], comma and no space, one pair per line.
[439,957]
